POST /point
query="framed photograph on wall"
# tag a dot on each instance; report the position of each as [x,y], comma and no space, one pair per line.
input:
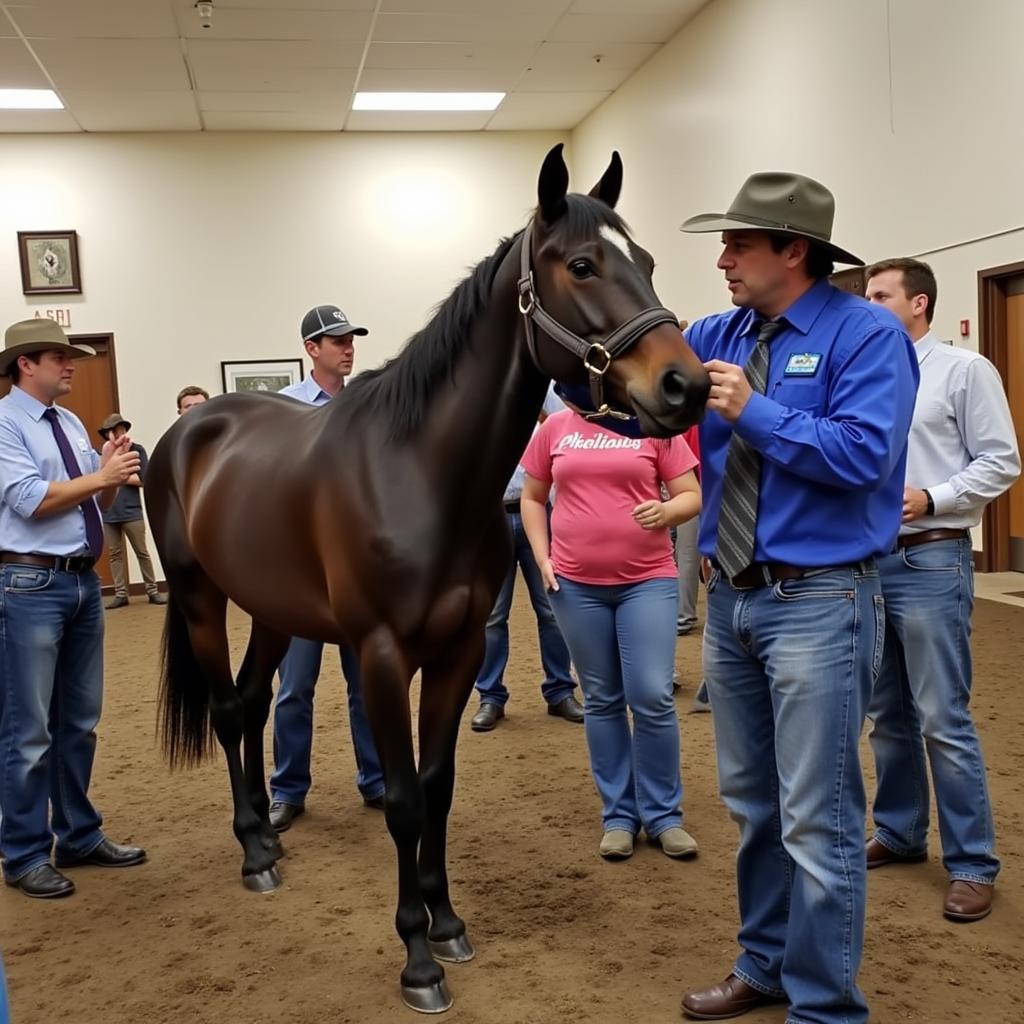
[264,375]
[49,263]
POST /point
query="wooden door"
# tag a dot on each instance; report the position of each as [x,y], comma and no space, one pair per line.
[93,398]
[1015,391]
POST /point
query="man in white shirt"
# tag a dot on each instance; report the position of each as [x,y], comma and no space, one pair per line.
[329,341]
[962,455]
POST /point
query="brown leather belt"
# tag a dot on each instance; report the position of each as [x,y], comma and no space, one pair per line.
[73,563]
[911,540]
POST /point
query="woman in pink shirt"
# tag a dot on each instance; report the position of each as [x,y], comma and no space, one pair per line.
[613,585]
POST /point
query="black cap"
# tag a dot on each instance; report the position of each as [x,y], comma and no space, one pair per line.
[327,320]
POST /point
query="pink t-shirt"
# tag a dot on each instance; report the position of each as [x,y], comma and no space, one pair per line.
[600,477]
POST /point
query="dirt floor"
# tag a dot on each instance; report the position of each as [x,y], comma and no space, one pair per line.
[560,934]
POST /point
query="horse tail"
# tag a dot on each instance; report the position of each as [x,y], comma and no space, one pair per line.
[184,693]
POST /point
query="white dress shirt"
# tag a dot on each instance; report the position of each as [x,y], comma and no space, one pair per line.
[962,449]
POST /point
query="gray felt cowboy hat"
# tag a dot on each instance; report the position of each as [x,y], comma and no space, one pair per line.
[779,201]
[115,419]
[38,335]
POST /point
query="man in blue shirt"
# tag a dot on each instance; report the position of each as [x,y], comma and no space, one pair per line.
[329,341]
[803,457]
[51,617]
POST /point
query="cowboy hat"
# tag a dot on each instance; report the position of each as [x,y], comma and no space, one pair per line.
[115,419]
[779,201]
[38,335]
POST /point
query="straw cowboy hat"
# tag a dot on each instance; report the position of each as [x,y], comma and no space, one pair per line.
[115,419]
[779,201]
[39,335]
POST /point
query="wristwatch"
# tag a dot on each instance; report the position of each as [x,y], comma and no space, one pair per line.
[931,503]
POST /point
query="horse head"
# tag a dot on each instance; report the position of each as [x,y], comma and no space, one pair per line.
[591,313]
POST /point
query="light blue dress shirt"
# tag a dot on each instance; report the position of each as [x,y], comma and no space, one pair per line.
[29,462]
[552,404]
[307,391]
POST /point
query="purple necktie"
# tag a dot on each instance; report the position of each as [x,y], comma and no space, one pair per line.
[93,526]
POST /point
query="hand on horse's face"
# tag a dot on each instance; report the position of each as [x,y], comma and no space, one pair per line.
[730,389]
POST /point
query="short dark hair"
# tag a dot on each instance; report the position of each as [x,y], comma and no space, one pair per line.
[192,389]
[918,279]
[819,261]
[14,371]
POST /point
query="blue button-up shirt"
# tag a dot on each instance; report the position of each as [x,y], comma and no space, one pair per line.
[831,428]
[307,391]
[29,462]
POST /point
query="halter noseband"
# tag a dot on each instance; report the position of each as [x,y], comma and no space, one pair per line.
[596,356]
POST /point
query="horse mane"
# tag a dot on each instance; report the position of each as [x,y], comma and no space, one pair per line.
[400,391]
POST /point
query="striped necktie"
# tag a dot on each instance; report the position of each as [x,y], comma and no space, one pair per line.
[737,514]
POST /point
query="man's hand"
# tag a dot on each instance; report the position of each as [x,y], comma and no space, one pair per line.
[118,462]
[915,504]
[730,389]
[651,515]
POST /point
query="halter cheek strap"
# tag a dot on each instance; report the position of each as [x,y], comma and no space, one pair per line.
[596,356]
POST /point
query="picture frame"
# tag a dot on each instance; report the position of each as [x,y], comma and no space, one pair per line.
[266,375]
[49,263]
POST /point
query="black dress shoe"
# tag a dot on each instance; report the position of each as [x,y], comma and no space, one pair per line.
[570,709]
[282,815]
[107,855]
[487,717]
[118,602]
[376,802]
[157,599]
[44,883]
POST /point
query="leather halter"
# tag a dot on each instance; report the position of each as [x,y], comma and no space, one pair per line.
[596,356]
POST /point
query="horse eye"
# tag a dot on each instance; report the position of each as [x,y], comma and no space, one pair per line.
[581,269]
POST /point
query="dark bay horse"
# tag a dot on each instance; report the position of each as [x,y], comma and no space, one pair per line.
[376,520]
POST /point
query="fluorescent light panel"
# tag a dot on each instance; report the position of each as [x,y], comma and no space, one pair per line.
[427,100]
[29,99]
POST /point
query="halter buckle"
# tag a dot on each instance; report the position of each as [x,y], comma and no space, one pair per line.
[600,350]
[527,296]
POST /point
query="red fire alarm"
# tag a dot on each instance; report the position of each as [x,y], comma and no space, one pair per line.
[965,328]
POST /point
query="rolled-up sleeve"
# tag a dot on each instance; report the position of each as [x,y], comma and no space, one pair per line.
[22,489]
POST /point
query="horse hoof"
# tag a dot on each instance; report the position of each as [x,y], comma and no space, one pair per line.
[262,881]
[453,951]
[427,998]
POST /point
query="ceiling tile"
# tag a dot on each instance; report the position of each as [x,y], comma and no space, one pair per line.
[123,111]
[89,19]
[573,77]
[113,63]
[206,53]
[438,79]
[628,56]
[416,121]
[220,78]
[682,8]
[37,121]
[274,102]
[463,28]
[18,68]
[275,121]
[539,111]
[616,28]
[348,26]
[474,6]
[450,56]
[184,7]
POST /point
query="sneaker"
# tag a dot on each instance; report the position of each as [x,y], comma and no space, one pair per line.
[616,844]
[118,602]
[678,843]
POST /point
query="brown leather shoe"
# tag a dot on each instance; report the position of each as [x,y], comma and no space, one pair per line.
[878,854]
[968,901]
[731,998]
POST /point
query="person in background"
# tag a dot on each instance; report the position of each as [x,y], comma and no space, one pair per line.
[614,588]
[963,454]
[124,519]
[190,397]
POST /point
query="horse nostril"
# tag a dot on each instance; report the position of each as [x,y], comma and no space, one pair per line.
[675,389]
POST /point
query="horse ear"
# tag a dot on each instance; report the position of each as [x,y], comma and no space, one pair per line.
[610,185]
[553,185]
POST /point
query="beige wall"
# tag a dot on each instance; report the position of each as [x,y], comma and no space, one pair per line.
[926,158]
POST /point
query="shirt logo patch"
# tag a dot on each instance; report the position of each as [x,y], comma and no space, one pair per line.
[83,445]
[802,364]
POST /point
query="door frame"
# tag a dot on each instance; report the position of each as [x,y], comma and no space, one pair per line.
[993,344]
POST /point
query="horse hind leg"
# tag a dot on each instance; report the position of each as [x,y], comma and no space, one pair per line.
[255,684]
[385,676]
[446,687]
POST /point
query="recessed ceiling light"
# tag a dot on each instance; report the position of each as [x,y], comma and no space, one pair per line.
[29,99]
[427,100]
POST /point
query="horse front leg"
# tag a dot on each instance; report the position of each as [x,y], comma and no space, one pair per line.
[255,684]
[446,687]
[386,675]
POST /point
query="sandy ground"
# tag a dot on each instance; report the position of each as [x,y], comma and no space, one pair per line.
[561,935]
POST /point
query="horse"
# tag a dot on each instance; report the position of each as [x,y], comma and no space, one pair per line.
[376,521]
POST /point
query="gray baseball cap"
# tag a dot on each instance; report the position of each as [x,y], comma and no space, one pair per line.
[327,320]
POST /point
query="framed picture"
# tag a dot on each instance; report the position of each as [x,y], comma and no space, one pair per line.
[49,263]
[266,375]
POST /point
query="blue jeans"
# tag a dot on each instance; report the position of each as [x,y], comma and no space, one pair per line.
[924,690]
[623,642]
[554,655]
[789,670]
[51,639]
[293,724]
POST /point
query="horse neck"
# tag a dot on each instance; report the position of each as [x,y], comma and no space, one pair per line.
[484,422]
